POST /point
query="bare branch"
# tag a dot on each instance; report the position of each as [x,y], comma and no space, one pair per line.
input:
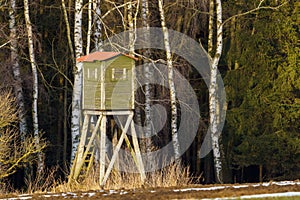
[115,8]
[259,7]
[5,44]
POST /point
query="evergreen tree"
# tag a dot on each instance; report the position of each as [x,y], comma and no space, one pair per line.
[263,92]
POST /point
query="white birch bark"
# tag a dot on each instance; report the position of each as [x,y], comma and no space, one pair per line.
[98,25]
[148,75]
[35,85]
[76,99]
[130,28]
[16,69]
[211,27]
[170,81]
[213,96]
[89,30]
[97,35]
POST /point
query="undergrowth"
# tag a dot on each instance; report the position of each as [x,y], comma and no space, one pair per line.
[174,175]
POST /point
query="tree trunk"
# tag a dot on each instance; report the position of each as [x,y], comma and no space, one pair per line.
[260,173]
[65,123]
[213,96]
[170,81]
[16,69]
[60,119]
[130,28]
[76,99]
[210,42]
[148,75]
[98,25]
[89,30]
[35,86]
[70,43]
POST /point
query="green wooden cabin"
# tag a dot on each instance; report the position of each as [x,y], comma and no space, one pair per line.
[108,81]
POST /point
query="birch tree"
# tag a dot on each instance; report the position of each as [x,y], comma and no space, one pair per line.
[148,75]
[89,30]
[213,87]
[130,27]
[35,85]
[16,68]
[170,81]
[211,31]
[76,99]
[97,25]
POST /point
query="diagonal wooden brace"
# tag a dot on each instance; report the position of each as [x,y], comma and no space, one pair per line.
[116,151]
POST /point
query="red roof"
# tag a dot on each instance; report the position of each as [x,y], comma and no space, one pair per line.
[101,56]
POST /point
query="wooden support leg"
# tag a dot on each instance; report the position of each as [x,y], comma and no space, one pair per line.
[129,146]
[80,149]
[137,151]
[82,158]
[116,151]
[102,148]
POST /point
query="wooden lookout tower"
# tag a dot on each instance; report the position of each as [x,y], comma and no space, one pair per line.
[108,90]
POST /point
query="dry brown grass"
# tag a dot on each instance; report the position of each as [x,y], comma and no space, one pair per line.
[90,182]
[41,182]
[174,175]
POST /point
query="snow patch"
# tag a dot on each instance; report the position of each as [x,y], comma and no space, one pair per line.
[240,186]
[123,192]
[265,184]
[89,194]
[200,189]
[113,192]
[18,198]
[283,194]
[283,183]
[50,195]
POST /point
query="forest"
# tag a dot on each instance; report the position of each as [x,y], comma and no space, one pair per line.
[253,46]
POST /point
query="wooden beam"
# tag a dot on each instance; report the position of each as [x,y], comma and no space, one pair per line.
[137,151]
[128,144]
[103,112]
[116,151]
[102,148]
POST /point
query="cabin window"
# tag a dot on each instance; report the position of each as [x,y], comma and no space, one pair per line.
[118,74]
[92,74]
